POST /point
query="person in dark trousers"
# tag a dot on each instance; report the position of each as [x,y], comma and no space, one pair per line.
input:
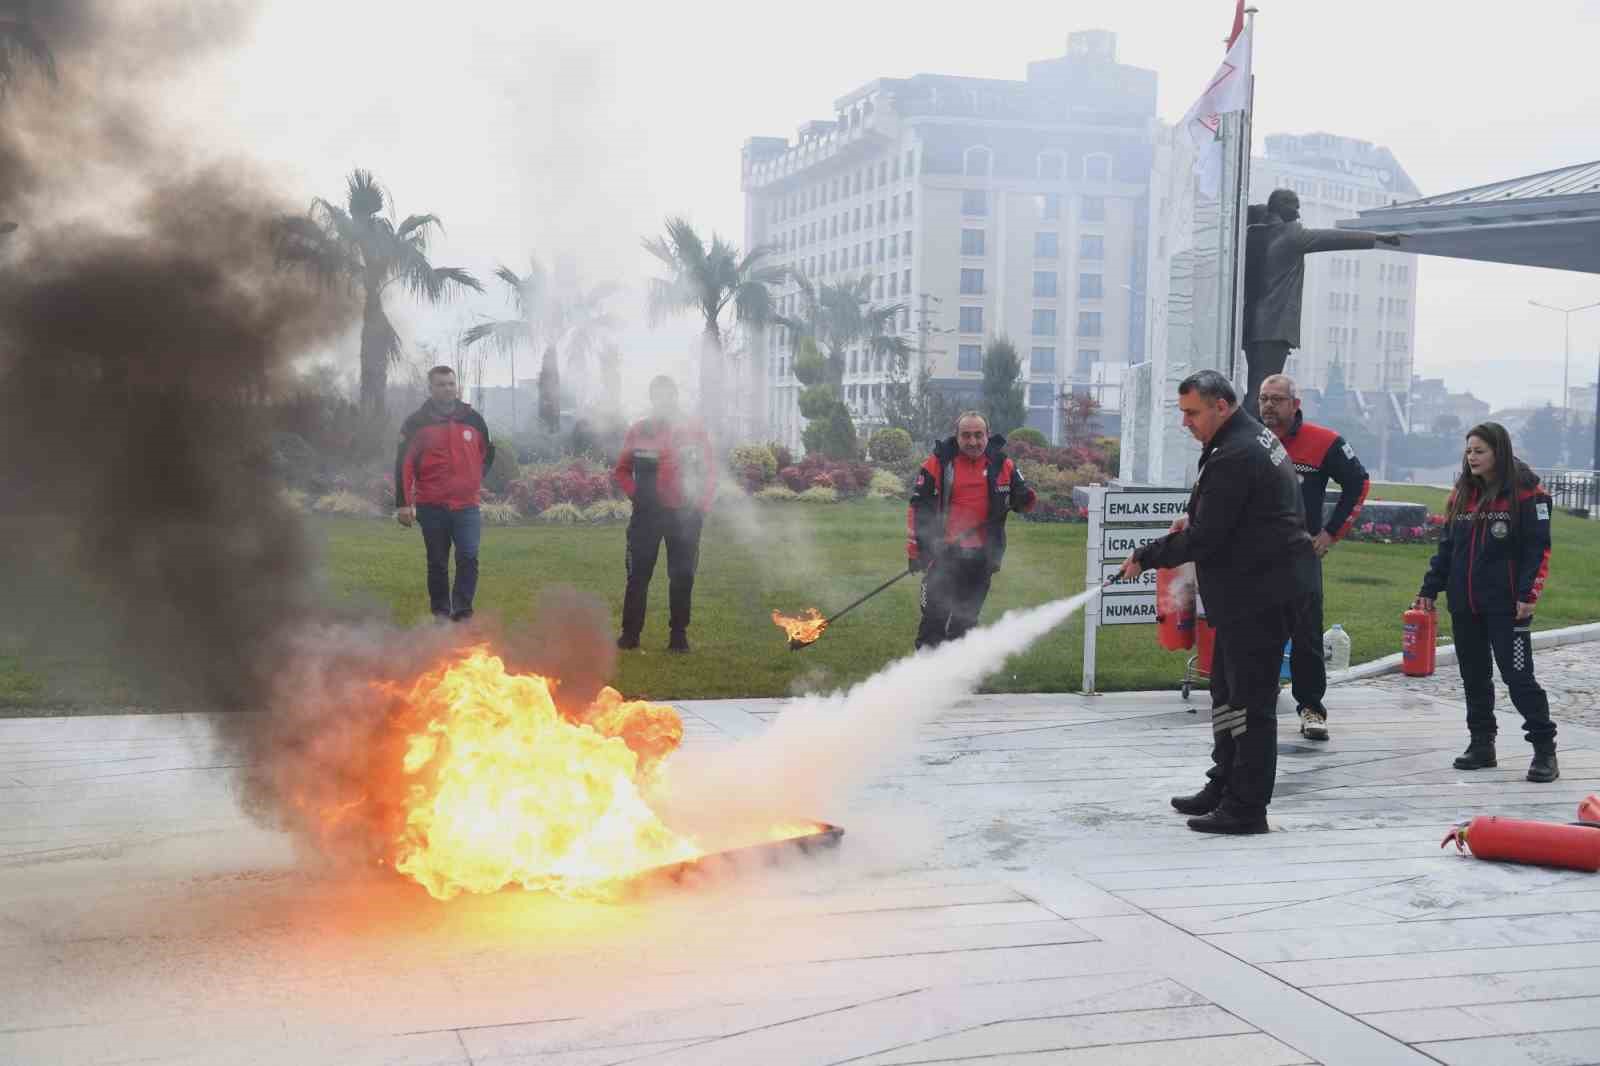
[1319,455]
[1245,532]
[438,472]
[666,470]
[1275,276]
[956,526]
[1493,558]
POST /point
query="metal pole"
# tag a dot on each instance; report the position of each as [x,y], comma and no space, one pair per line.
[1091,578]
[1566,402]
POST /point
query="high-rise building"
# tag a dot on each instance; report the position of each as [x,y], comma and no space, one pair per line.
[986,207]
[1359,309]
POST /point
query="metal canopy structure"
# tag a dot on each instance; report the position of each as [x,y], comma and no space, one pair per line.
[1542,220]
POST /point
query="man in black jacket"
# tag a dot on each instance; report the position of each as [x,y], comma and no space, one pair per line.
[1254,563]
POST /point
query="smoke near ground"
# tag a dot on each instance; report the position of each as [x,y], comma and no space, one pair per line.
[821,749]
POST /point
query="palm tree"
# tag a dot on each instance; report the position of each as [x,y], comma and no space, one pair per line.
[360,245]
[532,299]
[709,280]
[838,315]
[21,45]
[585,325]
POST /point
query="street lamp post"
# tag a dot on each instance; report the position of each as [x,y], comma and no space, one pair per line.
[1566,362]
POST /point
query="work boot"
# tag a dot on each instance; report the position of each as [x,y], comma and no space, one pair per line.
[1313,723]
[1543,769]
[628,641]
[1221,821]
[678,642]
[1203,802]
[1478,756]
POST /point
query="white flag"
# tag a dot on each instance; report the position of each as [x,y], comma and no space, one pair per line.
[1229,91]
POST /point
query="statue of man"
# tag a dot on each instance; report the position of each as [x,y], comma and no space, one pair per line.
[1274,275]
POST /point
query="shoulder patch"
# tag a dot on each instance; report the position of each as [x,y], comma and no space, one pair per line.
[1543,511]
[1349,452]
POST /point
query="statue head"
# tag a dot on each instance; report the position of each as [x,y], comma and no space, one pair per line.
[1284,204]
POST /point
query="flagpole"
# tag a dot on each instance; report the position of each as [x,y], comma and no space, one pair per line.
[1241,205]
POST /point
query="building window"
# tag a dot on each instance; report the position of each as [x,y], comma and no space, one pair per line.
[855,186]
[869,177]
[1097,168]
[905,243]
[1090,286]
[972,320]
[855,256]
[833,262]
[1046,245]
[894,209]
[1049,205]
[877,288]
[1088,323]
[866,253]
[1043,361]
[1091,246]
[894,246]
[908,203]
[1041,395]
[1044,284]
[1087,358]
[969,358]
[972,242]
[896,168]
[855,220]
[974,202]
[971,282]
[883,172]
[905,282]
[911,162]
[852,361]
[882,212]
[882,244]
[1052,167]
[1093,209]
[894,288]
[1044,323]
[975,162]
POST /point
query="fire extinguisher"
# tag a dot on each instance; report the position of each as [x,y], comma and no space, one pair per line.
[1205,639]
[1574,847]
[1419,633]
[1174,612]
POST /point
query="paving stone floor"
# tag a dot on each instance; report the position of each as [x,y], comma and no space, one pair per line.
[1570,675]
[1014,890]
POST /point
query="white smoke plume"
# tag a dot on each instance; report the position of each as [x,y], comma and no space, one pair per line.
[822,748]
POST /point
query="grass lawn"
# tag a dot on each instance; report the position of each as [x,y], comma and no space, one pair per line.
[791,556]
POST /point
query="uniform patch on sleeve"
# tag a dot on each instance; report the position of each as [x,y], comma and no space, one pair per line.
[1349,452]
[1543,511]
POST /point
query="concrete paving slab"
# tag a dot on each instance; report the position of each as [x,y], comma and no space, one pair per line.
[1048,906]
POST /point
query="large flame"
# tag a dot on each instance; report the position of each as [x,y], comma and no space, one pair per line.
[502,789]
[802,629]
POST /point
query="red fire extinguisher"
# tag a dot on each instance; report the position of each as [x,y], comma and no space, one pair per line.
[1574,847]
[1419,633]
[1174,612]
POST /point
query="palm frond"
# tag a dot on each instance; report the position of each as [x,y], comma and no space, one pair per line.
[298,241]
[364,196]
[506,334]
[437,284]
[416,227]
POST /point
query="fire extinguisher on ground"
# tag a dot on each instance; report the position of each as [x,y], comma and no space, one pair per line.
[1573,847]
[1174,610]
[1419,634]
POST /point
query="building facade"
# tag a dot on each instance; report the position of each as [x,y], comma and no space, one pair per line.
[984,208]
[1359,308]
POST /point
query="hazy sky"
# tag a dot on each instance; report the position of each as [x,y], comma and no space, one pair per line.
[580,126]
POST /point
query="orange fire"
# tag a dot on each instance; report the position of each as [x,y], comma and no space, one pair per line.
[802,629]
[504,790]
[490,785]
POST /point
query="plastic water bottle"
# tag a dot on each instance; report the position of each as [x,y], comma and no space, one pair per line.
[1336,648]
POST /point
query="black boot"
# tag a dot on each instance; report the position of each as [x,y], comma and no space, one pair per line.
[678,641]
[1221,821]
[1203,802]
[628,641]
[1543,769]
[1478,756]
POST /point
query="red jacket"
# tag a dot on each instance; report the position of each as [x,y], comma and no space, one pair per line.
[666,464]
[959,502]
[442,458]
[1319,455]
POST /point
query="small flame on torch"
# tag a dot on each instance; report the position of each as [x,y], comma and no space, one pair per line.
[802,629]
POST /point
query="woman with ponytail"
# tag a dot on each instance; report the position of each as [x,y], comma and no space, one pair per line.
[1492,562]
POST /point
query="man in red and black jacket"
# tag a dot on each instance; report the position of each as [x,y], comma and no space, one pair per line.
[666,470]
[438,471]
[956,526]
[1319,455]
